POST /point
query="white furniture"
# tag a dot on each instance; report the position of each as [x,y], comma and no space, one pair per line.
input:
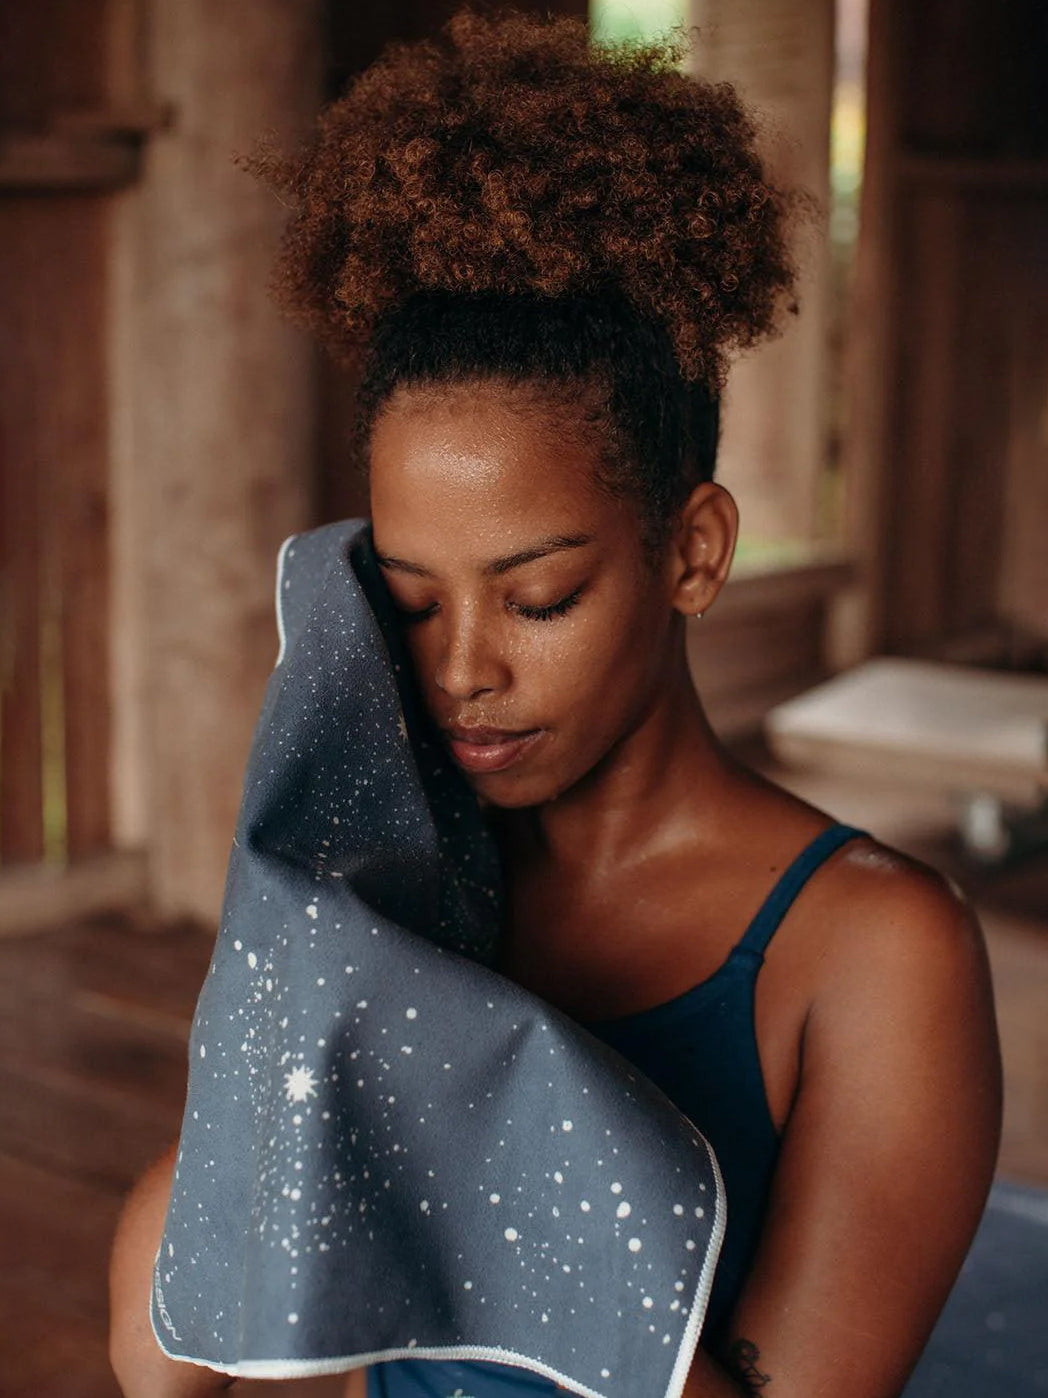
[982,734]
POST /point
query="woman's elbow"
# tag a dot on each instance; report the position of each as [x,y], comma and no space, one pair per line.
[141,1367]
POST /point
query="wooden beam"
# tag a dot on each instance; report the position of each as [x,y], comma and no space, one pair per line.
[134,120]
[779,589]
[67,161]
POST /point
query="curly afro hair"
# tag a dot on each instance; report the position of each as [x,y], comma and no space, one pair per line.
[511,168]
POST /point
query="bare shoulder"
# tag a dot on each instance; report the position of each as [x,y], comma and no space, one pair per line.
[874,907]
[895,917]
[902,1012]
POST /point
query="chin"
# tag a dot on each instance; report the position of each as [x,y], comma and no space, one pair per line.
[511,795]
[516,790]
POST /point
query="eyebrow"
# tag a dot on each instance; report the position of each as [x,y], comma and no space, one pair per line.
[554,544]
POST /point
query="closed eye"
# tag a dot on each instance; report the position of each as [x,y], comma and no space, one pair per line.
[547,613]
[422,614]
[554,609]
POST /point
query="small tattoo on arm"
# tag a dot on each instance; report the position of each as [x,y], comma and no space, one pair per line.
[740,1360]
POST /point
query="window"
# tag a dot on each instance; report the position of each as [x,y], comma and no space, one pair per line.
[616,21]
[800,64]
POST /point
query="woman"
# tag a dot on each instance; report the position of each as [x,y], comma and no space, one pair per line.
[549,252]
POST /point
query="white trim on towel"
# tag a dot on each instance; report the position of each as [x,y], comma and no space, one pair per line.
[278,600]
[315,1368]
[690,1340]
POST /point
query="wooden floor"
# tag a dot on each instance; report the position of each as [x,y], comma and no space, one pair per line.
[93,1027]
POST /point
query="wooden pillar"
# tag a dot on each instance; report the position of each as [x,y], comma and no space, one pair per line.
[944,450]
[857,616]
[779,54]
[214,431]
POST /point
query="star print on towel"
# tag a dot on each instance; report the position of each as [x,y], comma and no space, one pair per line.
[389,1150]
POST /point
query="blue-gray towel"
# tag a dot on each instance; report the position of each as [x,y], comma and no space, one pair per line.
[389,1149]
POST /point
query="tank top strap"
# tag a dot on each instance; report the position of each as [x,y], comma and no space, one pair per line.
[777,904]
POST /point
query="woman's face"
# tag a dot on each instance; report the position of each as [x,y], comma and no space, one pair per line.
[538,632]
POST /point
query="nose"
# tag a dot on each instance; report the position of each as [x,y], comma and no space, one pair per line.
[469,662]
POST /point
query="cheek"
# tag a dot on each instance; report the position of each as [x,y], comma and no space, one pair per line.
[596,672]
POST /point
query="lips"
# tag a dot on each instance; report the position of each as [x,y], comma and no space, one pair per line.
[478,734]
[479,749]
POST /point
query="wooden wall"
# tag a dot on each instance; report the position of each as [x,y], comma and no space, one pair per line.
[157,422]
[159,428]
[58,167]
[946,448]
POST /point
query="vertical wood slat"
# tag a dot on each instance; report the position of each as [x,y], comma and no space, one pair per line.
[77,435]
[859,619]
[55,56]
[991,296]
[922,467]
[1023,583]
[53,407]
[969,286]
[21,760]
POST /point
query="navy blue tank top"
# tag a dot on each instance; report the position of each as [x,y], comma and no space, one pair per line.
[700,1048]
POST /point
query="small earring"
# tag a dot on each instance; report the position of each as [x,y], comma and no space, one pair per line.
[697,615]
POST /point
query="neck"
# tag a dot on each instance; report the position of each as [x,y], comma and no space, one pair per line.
[662,783]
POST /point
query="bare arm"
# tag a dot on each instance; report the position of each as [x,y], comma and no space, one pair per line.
[142,1368]
[886,1159]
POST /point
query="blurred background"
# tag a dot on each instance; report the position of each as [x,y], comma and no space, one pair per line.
[162,431]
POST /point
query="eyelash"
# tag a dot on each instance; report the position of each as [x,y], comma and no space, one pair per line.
[554,609]
[550,613]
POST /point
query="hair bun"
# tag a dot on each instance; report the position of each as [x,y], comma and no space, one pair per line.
[512,154]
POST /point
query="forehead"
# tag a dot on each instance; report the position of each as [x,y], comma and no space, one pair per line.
[479,453]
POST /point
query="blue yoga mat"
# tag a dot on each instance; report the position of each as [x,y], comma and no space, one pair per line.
[992,1339]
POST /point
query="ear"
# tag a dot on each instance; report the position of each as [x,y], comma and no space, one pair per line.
[702,548]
